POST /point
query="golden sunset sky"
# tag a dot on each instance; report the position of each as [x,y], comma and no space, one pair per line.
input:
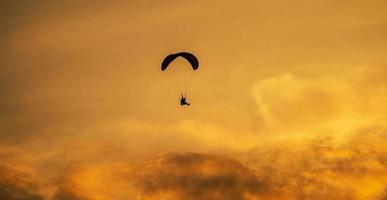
[289,101]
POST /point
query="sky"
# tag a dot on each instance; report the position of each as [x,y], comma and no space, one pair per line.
[288,101]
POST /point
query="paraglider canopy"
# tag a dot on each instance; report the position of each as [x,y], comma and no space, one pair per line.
[188,56]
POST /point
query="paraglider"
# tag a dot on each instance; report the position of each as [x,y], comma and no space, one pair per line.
[190,58]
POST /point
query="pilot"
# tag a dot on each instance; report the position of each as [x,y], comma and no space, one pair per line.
[183,101]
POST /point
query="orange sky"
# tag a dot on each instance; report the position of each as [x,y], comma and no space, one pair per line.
[288,101]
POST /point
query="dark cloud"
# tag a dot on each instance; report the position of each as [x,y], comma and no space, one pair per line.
[384,195]
[200,177]
[64,194]
[16,185]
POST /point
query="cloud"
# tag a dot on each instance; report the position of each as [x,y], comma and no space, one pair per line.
[67,187]
[16,184]
[198,176]
[64,194]
[288,102]
[325,168]
[309,106]
[321,168]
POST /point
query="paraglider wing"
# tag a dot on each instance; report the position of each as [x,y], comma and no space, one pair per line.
[168,60]
[188,56]
[191,59]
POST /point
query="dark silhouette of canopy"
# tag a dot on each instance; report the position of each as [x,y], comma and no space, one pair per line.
[191,59]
